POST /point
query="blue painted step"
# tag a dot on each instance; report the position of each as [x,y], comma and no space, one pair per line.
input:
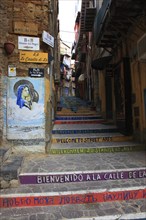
[77,117]
[86,131]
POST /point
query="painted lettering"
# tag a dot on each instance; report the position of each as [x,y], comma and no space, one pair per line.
[31,201]
[142,174]
[132,174]
[88,177]
[118,175]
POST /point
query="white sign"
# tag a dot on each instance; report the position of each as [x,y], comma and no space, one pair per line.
[11,70]
[28,43]
[48,39]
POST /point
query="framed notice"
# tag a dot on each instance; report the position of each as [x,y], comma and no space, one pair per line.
[33,57]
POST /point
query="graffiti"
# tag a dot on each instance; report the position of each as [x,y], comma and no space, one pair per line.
[82,177]
[98,197]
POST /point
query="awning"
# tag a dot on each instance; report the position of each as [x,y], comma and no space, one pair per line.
[100,63]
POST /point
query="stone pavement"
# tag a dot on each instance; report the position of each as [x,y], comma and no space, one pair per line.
[91,172]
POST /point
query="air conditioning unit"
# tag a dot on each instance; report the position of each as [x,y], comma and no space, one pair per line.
[141,48]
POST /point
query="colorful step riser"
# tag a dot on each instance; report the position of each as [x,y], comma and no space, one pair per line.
[85,131]
[78,118]
[75,114]
[79,122]
[91,140]
[96,150]
[80,176]
[84,197]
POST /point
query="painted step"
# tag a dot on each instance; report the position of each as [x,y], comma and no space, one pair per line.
[78,117]
[80,197]
[84,131]
[84,168]
[83,176]
[134,210]
[79,113]
[79,122]
[70,198]
[98,148]
[83,138]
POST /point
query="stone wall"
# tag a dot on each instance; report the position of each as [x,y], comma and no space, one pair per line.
[14,15]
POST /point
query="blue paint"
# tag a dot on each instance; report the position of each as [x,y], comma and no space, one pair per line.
[77,117]
[88,131]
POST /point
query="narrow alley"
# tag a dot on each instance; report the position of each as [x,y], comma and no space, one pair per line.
[73,110]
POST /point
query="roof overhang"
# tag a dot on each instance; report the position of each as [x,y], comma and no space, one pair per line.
[115,19]
[101,63]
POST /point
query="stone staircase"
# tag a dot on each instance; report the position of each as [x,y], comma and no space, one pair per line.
[91,172]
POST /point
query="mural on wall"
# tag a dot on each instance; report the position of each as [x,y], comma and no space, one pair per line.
[26,94]
[25,108]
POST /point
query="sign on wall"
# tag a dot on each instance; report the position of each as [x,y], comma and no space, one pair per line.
[33,57]
[36,72]
[48,39]
[28,43]
[25,108]
[11,70]
[28,28]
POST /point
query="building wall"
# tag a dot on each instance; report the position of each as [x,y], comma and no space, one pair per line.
[27,19]
[138,78]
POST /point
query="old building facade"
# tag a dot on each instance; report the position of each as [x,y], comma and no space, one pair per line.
[112,36]
[29,71]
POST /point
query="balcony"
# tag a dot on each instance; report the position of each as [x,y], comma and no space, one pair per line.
[87,17]
[114,20]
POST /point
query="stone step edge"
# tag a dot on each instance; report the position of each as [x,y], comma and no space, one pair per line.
[71,198]
[82,176]
[131,216]
[91,139]
[92,150]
